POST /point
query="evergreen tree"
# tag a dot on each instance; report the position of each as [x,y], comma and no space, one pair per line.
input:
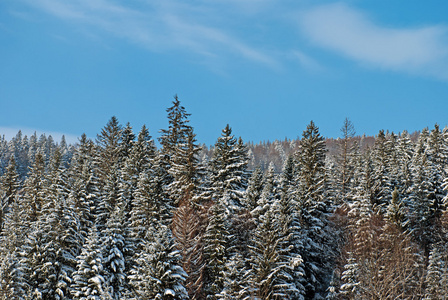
[437,276]
[314,208]
[186,171]
[236,283]
[88,279]
[228,169]
[216,250]
[152,204]
[12,281]
[177,128]
[158,274]
[346,146]
[254,189]
[381,176]
[270,268]
[9,185]
[51,249]
[33,198]
[350,288]
[139,160]
[115,251]
[84,193]
[110,159]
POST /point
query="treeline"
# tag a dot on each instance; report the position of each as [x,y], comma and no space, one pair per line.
[117,218]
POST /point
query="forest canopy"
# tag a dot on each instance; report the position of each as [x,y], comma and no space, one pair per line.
[119,218]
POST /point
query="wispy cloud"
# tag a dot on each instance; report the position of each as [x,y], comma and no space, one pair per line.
[167,25]
[307,61]
[338,27]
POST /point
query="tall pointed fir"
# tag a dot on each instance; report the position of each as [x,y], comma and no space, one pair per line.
[406,151]
[88,279]
[158,273]
[381,175]
[425,210]
[52,245]
[229,169]
[288,218]
[437,276]
[177,128]
[228,182]
[115,250]
[152,204]
[315,208]
[84,193]
[9,185]
[270,266]
[216,250]
[346,148]
[33,198]
[138,161]
[437,158]
[254,189]
[109,143]
[181,159]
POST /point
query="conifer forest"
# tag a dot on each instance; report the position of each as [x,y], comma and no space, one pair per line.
[125,216]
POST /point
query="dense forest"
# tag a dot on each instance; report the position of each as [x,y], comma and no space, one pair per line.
[313,218]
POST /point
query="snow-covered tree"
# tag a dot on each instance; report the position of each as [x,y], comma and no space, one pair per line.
[88,279]
[216,249]
[314,208]
[228,169]
[158,273]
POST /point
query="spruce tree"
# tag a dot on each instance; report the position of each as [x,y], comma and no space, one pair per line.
[88,279]
[9,185]
[216,249]
[270,268]
[158,273]
[83,179]
[228,169]
[314,210]
[115,251]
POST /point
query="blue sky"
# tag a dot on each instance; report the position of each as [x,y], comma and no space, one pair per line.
[266,67]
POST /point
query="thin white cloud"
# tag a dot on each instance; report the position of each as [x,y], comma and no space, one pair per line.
[169,25]
[307,61]
[338,27]
[10,132]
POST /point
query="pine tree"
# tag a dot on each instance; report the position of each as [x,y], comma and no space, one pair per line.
[350,288]
[228,169]
[139,160]
[53,244]
[254,189]
[84,193]
[12,281]
[236,283]
[33,199]
[216,249]
[9,184]
[347,147]
[437,276]
[177,129]
[381,176]
[314,209]
[158,273]
[88,279]
[270,268]
[110,159]
[186,171]
[116,249]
